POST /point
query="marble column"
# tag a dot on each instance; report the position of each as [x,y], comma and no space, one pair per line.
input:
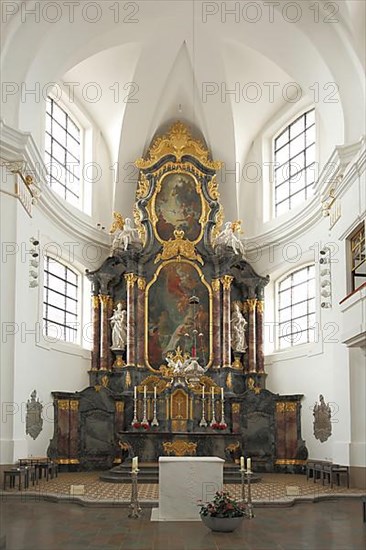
[259,335]
[131,279]
[226,339]
[96,333]
[216,322]
[105,344]
[140,336]
[251,307]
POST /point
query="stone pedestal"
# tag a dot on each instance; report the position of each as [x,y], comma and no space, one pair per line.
[183,481]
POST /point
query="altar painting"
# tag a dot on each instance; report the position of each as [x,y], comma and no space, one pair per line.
[171,318]
[178,206]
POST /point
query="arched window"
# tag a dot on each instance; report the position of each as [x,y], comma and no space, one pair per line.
[296,308]
[60,301]
[294,157]
[63,152]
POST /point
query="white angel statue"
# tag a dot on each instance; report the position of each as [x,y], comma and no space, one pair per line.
[228,238]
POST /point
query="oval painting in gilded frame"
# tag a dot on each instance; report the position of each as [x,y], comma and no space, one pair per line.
[178,205]
[169,315]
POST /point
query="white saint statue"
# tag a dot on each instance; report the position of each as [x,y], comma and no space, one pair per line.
[238,326]
[228,238]
[119,328]
[125,235]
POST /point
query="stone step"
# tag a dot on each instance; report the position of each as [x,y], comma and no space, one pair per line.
[149,473]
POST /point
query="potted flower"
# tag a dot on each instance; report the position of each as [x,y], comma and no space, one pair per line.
[224,513]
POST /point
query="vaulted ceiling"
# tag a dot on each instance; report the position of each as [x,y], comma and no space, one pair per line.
[194,61]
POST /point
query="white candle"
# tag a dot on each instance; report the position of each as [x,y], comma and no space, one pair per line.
[154,392]
[222,394]
[249,464]
[242,463]
[135,392]
[212,393]
[203,392]
[144,392]
[135,463]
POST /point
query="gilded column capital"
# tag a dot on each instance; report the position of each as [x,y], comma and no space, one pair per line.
[141,283]
[226,281]
[250,304]
[260,306]
[215,284]
[105,299]
[95,301]
[131,279]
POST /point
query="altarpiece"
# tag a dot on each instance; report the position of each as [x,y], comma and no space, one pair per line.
[176,385]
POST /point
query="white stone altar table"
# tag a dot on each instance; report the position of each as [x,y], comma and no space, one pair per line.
[183,481]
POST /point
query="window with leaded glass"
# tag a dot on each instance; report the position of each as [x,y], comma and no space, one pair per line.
[60,301]
[358,257]
[62,152]
[296,308]
[294,155]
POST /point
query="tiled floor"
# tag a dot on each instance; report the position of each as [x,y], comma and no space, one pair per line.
[335,525]
[272,488]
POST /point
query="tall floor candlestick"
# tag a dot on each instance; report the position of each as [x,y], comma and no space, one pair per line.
[250,513]
[135,507]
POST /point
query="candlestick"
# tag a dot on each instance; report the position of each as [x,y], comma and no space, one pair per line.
[135,508]
[203,422]
[242,463]
[155,421]
[213,419]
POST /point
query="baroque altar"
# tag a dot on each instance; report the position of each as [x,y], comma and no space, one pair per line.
[177,363]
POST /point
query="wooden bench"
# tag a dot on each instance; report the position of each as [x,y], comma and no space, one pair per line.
[323,469]
[13,474]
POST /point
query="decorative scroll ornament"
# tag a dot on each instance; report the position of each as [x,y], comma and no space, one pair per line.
[177,247]
[33,419]
[322,423]
[180,448]
[179,142]
[213,189]
[143,187]
[218,222]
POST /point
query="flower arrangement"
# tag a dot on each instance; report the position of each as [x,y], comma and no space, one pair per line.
[141,425]
[219,426]
[222,506]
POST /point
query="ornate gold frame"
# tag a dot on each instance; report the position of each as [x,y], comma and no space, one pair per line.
[148,286]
